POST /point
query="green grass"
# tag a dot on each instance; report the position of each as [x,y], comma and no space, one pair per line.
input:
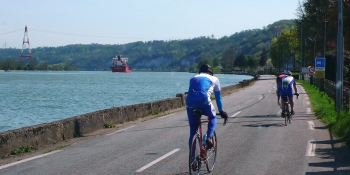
[324,108]
[109,125]
[23,149]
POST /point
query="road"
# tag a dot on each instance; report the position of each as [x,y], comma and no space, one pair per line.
[254,141]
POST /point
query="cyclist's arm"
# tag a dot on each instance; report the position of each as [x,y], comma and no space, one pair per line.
[295,87]
[218,99]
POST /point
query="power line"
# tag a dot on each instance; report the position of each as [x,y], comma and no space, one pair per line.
[11,32]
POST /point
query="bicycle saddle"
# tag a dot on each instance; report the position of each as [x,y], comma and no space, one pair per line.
[197,112]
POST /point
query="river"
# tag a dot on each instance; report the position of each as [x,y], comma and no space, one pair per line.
[31,98]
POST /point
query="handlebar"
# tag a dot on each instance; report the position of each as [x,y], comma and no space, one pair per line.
[225,121]
[296,94]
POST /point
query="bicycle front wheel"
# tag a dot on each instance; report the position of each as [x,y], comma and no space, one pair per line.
[195,156]
[211,154]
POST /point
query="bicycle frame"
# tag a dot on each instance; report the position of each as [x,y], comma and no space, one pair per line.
[288,115]
[198,151]
[199,132]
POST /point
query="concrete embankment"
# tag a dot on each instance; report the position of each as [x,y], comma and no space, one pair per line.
[39,136]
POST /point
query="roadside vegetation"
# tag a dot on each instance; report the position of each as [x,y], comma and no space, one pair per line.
[324,108]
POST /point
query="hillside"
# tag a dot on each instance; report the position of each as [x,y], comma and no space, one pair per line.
[155,55]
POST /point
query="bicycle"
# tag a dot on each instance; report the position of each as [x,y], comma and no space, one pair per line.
[287,114]
[198,152]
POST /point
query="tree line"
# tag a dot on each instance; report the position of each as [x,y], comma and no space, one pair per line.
[245,50]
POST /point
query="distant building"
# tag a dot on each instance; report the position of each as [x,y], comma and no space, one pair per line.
[277,31]
[291,62]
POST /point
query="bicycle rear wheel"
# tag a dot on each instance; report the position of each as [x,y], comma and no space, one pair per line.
[194,157]
[211,154]
[286,113]
[290,117]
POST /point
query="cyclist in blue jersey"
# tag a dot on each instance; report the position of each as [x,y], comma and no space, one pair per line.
[286,89]
[198,97]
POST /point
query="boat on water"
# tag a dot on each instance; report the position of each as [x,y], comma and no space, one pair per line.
[119,64]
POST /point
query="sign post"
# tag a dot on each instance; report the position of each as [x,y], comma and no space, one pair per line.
[320,66]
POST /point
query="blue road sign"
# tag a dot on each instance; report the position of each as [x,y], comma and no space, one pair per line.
[320,63]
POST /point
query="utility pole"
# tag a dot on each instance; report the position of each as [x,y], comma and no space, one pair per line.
[340,62]
[324,38]
[314,56]
[282,55]
[301,46]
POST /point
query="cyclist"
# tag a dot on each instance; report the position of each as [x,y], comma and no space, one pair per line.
[286,89]
[200,89]
[279,86]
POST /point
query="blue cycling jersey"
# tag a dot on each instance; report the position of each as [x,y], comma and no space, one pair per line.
[200,89]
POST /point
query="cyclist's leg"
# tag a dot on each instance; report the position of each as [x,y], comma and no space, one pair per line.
[283,97]
[291,101]
[278,97]
[210,112]
[193,122]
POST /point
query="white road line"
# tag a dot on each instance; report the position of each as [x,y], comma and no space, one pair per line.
[157,160]
[269,90]
[308,110]
[120,130]
[307,98]
[29,159]
[260,98]
[308,103]
[235,114]
[311,125]
[310,149]
[165,116]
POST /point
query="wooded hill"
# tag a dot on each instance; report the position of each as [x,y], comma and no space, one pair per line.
[175,55]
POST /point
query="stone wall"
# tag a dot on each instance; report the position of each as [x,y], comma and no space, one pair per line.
[54,132]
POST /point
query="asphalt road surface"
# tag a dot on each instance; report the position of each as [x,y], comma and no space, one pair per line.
[254,141]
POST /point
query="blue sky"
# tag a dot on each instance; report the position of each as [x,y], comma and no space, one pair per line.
[55,23]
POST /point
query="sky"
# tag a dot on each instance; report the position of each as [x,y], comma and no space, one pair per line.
[54,23]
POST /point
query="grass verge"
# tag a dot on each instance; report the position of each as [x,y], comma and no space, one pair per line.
[324,108]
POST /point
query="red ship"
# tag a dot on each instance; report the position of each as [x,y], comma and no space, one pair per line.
[119,64]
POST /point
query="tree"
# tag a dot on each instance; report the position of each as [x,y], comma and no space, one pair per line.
[227,60]
[43,66]
[32,65]
[252,62]
[241,61]
[216,61]
[263,58]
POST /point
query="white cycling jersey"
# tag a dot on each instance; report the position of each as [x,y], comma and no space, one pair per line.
[201,87]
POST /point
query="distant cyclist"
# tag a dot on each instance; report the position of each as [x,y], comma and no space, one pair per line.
[279,86]
[200,89]
[286,89]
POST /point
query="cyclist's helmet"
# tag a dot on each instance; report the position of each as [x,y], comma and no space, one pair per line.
[206,68]
[289,73]
[283,72]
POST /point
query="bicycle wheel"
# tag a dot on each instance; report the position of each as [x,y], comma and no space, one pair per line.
[211,154]
[194,157]
[286,113]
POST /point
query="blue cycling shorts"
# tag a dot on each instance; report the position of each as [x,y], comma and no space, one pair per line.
[288,92]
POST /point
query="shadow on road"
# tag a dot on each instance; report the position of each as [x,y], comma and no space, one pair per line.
[336,157]
[266,125]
